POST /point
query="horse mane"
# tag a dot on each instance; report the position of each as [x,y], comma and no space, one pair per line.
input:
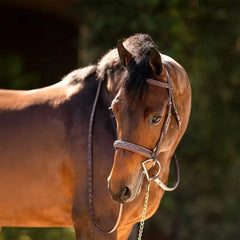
[79,75]
[139,45]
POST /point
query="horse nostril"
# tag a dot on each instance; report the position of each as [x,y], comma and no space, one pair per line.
[122,196]
[125,193]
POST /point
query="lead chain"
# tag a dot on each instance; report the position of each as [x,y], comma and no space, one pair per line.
[144,212]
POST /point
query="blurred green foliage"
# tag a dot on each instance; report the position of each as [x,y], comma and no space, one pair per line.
[204,37]
[14,75]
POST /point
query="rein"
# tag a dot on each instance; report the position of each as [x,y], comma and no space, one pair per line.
[90,170]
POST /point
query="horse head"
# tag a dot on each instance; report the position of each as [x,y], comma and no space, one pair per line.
[143,119]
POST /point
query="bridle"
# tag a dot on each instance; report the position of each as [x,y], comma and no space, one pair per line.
[152,155]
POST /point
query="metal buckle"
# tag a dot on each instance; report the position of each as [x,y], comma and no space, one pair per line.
[154,163]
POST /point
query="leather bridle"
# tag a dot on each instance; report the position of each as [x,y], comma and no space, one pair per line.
[152,155]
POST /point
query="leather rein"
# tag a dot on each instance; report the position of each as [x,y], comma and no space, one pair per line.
[151,154]
[90,170]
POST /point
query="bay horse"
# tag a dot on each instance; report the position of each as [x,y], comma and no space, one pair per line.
[44,140]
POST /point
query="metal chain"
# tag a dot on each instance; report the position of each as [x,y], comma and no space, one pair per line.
[144,212]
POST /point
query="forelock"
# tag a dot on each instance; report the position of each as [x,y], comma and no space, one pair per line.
[139,45]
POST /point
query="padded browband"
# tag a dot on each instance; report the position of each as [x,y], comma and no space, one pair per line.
[159,84]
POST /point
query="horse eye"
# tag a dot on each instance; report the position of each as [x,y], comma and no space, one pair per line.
[154,119]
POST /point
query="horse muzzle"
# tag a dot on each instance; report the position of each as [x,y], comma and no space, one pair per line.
[123,195]
[126,192]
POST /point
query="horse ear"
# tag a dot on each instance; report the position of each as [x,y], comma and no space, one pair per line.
[124,55]
[155,61]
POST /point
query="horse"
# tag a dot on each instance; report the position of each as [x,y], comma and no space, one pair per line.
[44,142]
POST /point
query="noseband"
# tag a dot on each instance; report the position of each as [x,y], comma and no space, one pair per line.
[152,155]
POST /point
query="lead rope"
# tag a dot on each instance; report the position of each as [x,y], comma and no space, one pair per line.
[90,171]
[144,212]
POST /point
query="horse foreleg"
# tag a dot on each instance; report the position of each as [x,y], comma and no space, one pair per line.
[82,233]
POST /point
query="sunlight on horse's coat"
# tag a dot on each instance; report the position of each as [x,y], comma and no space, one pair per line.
[43,143]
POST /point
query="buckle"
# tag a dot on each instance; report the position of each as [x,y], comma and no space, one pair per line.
[154,163]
